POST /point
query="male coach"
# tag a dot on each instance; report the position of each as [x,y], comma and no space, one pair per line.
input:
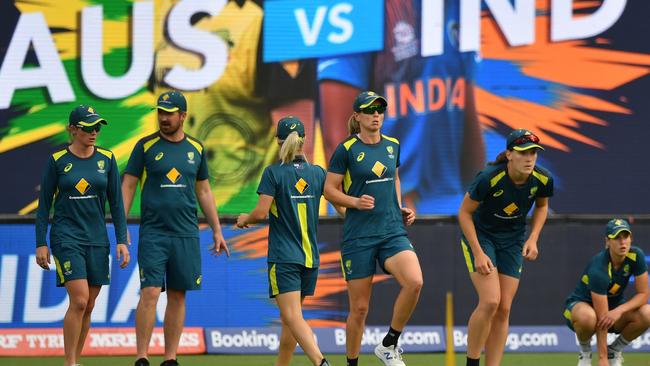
[172,169]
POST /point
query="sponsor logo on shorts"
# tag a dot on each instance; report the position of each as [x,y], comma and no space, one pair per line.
[141,274]
[348,266]
[199,279]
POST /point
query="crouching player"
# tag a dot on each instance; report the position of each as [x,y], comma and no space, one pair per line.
[597,304]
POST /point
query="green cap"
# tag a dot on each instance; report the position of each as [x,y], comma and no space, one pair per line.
[172,101]
[85,115]
[522,140]
[365,99]
[616,226]
[289,124]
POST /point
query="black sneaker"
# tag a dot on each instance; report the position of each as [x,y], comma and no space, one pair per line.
[169,363]
[141,362]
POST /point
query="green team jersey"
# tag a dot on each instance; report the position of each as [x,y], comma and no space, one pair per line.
[600,277]
[504,205]
[80,188]
[370,169]
[296,189]
[168,172]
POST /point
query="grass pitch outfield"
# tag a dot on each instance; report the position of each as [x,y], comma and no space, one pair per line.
[422,359]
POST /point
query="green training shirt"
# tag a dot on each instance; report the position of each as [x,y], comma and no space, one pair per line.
[79,189]
[296,189]
[168,172]
[370,169]
[503,204]
[600,277]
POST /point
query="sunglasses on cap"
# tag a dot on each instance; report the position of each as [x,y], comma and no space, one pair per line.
[525,139]
[90,129]
[374,108]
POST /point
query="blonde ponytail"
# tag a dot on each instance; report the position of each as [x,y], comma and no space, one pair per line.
[290,147]
[353,125]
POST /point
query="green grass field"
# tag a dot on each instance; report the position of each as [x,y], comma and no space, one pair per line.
[513,359]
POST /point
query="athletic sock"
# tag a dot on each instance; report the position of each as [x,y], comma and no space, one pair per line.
[391,337]
[353,361]
[618,344]
[585,346]
[473,361]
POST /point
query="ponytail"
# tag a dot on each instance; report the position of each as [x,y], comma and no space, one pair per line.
[290,147]
[500,159]
[353,125]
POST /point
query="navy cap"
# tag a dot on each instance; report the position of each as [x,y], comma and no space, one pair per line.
[522,140]
[365,99]
[172,101]
[85,115]
[616,226]
[289,124]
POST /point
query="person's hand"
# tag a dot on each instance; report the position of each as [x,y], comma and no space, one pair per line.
[122,252]
[219,244]
[408,216]
[43,257]
[530,250]
[365,202]
[483,264]
[241,221]
[609,319]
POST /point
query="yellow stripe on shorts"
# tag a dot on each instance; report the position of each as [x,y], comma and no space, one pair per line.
[58,269]
[274,282]
[468,257]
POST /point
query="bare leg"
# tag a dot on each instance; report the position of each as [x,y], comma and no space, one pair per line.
[145,319]
[73,321]
[634,323]
[174,320]
[359,291]
[291,313]
[583,319]
[93,291]
[496,340]
[406,269]
[478,328]
[287,346]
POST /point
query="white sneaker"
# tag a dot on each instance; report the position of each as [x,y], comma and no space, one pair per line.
[390,356]
[615,358]
[584,359]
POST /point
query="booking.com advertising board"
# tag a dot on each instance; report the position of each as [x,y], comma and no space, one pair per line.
[458,76]
[230,314]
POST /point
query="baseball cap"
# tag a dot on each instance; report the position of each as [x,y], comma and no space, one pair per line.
[522,140]
[85,115]
[289,124]
[365,99]
[171,101]
[616,226]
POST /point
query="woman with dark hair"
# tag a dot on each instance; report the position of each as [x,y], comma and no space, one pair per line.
[492,217]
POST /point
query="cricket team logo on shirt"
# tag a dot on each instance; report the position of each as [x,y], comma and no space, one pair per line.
[390,152]
[301,185]
[190,157]
[626,270]
[100,166]
[532,192]
[379,169]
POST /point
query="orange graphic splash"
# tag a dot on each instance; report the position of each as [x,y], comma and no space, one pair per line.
[569,64]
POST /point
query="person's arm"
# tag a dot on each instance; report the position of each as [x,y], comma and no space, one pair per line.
[600,306]
[334,194]
[209,208]
[45,199]
[259,213]
[540,212]
[473,147]
[639,299]
[132,173]
[114,196]
[482,262]
[407,214]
